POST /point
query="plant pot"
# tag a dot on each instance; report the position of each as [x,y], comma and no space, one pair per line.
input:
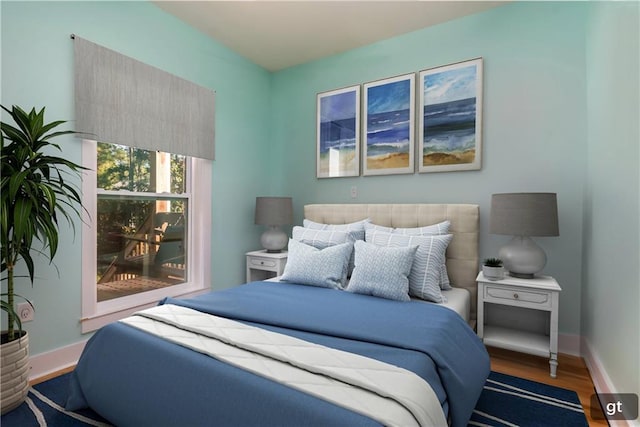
[15,372]
[493,273]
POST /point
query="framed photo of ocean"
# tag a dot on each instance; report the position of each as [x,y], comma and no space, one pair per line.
[338,133]
[389,123]
[450,119]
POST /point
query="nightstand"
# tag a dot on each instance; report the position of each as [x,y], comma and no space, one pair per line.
[262,265]
[540,294]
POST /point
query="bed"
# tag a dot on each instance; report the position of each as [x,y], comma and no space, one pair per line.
[288,354]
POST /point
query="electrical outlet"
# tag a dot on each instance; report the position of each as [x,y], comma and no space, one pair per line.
[354,192]
[25,311]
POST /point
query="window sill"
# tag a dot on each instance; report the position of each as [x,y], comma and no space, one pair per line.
[92,323]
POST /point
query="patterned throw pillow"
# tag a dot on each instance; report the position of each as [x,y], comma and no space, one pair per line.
[425,273]
[324,238]
[382,271]
[326,268]
[428,230]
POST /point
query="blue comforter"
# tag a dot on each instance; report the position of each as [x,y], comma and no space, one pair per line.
[135,379]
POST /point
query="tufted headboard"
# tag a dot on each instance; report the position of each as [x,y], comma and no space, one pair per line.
[462,253]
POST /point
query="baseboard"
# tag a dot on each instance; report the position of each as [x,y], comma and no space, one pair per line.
[55,360]
[601,380]
[599,375]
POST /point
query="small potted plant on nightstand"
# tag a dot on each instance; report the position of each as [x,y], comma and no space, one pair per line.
[492,269]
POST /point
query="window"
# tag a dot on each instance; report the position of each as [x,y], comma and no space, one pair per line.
[148,232]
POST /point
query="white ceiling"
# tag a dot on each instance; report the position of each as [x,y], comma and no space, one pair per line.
[280,34]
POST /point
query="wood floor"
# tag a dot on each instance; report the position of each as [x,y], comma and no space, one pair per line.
[572,374]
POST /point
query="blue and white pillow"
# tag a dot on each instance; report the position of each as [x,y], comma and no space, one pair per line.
[382,271]
[439,228]
[424,280]
[321,238]
[428,230]
[326,268]
[324,238]
[355,228]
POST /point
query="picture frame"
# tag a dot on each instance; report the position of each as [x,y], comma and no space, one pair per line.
[450,118]
[338,133]
[389,126]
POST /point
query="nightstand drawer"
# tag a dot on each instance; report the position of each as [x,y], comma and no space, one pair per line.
[514,296]
[262,262]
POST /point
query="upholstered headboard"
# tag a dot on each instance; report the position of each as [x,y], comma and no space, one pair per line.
[462,253]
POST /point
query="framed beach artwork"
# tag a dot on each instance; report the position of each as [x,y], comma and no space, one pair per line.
[450,119]
[388,126]
[338,133]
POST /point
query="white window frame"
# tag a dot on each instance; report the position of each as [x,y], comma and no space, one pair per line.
[97,314]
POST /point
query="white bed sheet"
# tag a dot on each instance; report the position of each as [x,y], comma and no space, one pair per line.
[458,300]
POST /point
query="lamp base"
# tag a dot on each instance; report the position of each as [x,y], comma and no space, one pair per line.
[522,275]
[274,240]
[522,257]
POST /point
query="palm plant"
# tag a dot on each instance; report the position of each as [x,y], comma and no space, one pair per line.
[35,193]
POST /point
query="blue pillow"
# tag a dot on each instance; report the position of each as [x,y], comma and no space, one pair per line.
[424,280]
[320,238]
[427,230]
[382,271]
[326,268]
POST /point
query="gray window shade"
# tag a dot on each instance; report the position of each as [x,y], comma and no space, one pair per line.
[123,101]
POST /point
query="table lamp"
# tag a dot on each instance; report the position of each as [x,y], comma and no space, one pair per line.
[274,212]
[523,215]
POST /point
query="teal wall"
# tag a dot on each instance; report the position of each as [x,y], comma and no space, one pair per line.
[611,296]
[534,120]
[37,70]
[559,115]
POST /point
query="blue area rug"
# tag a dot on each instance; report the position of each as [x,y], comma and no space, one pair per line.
[505,401]
[508,401]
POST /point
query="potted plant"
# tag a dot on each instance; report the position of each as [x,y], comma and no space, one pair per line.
[492,269]
[36,194]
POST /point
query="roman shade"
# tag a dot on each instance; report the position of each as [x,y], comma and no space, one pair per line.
[124,101]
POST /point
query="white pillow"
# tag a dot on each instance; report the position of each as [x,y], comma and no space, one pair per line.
[439,228]
[425,273]
[321,238]
[355,228]
[326,268]
[382,271]
[428,230]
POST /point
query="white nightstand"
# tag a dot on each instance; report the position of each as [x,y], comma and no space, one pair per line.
[262,265]
[541,294]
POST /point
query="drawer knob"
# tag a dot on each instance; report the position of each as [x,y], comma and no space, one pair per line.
[516,296]
[261,262]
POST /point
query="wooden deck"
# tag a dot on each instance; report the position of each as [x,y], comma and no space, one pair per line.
[121,288]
